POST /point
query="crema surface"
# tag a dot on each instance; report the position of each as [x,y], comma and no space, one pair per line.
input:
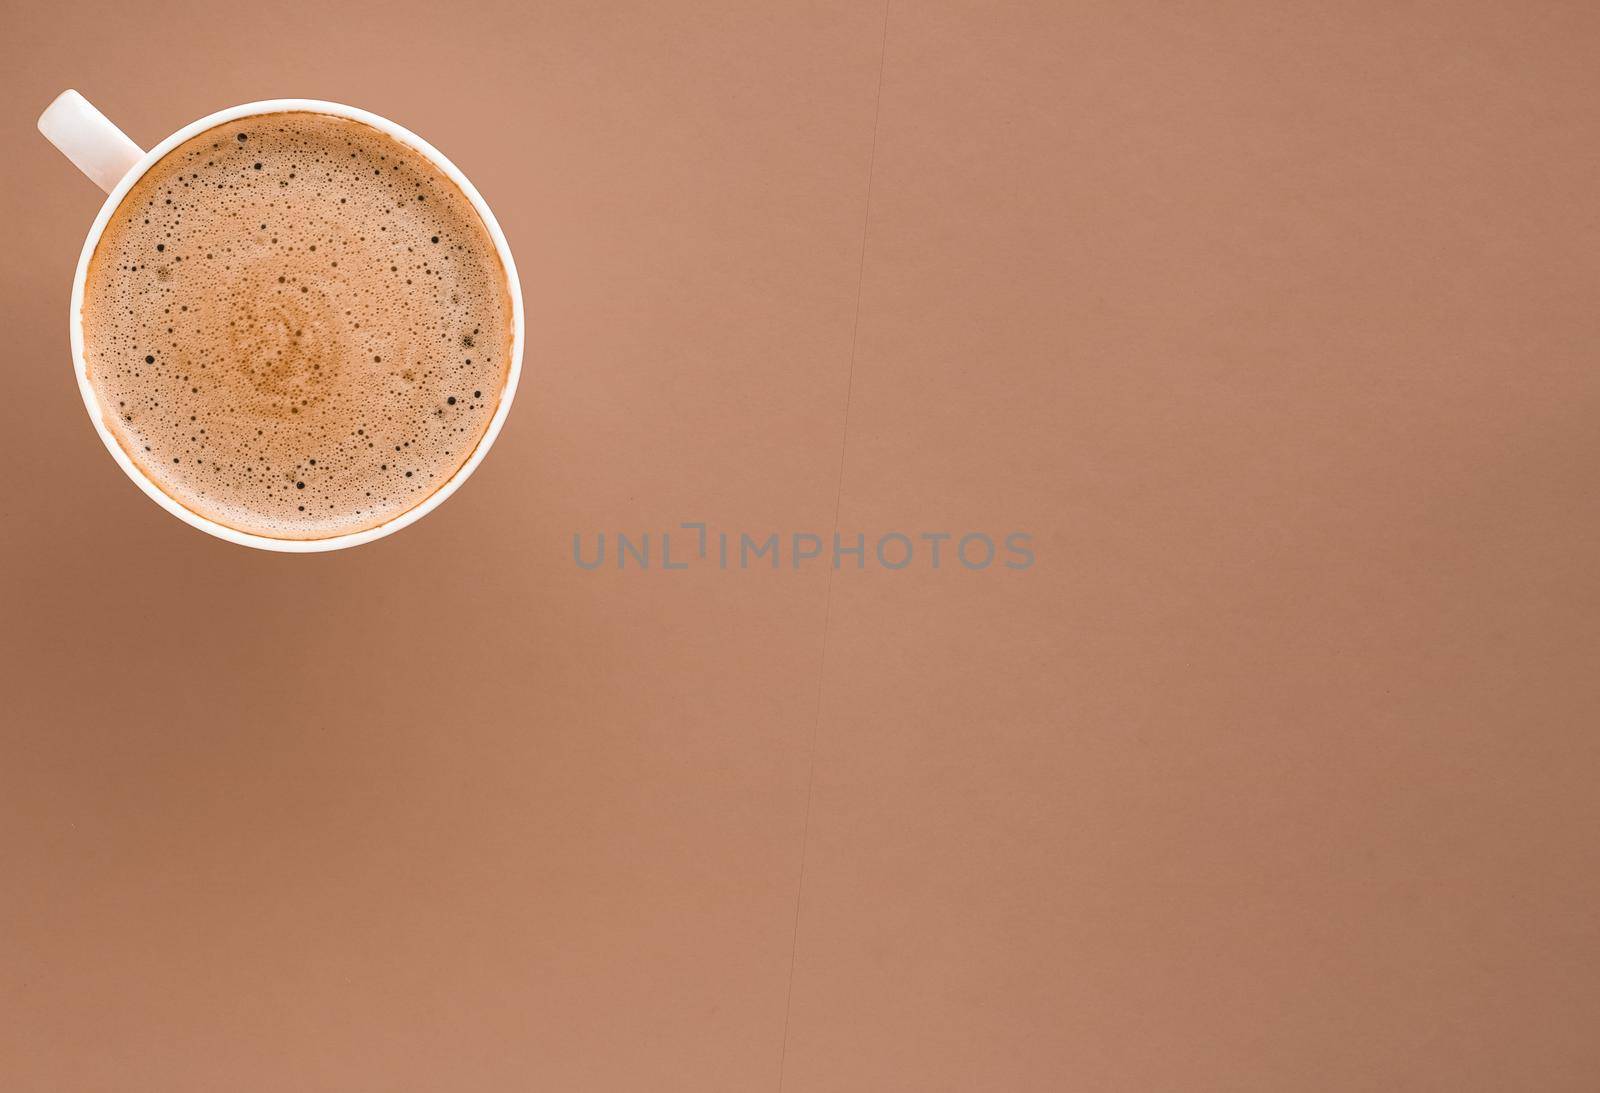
[297,326]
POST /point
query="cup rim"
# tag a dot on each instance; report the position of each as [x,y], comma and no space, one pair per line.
[97,412]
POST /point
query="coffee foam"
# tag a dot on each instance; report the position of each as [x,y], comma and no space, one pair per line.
[296,326]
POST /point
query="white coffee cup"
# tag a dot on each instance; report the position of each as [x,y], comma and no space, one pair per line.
[103,152]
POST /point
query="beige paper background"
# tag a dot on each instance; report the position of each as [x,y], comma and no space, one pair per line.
[1274,323]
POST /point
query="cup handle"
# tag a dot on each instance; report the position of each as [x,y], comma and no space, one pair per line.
[88,138]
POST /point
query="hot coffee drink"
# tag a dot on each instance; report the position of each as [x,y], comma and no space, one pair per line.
[297,326]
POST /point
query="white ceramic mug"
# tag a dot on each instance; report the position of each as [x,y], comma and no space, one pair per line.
[103,152]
